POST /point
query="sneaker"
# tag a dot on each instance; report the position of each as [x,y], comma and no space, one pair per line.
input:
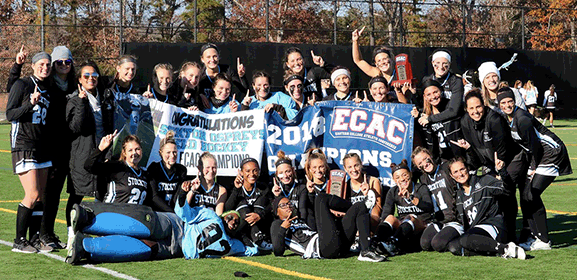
[264,245]
[23,246]
[370,200]
[540,245]
[514,251]
[370,256]
[79,217]
[552,126]
[388,247]
[39,245]
[53,241]
[527,244]
[76,250]
[356,247]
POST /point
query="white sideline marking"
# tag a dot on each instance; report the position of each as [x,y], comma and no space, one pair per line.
[101,269]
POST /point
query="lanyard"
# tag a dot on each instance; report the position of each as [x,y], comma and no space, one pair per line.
[34,81]
[290,192]
[435,174]
[253,190]
[446,79]
[123,93]
[154,93]
[321,189]
[166,174]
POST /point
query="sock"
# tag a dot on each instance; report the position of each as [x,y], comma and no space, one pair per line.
[36,219]
[404,230]
[384,231]
[22,219]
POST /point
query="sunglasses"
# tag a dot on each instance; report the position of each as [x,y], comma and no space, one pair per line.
[67,62]
[88,75]
[285,205]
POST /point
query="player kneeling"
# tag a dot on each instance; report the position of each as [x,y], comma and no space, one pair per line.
[136,233]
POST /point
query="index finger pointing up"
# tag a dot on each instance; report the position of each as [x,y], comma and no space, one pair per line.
[238,60]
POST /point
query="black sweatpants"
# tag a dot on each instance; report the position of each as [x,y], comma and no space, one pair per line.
[54,185]
[475,242]
[436,237]
[533,208]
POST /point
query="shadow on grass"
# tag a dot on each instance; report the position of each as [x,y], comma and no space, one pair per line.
[566,179]
[563,230]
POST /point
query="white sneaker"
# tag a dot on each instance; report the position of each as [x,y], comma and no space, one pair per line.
[70,238]
[356,247]
[540,245]
[514,251]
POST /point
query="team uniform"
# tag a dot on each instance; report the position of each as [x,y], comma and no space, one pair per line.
[169,98]
[297,195]
[350,96]
[255,201]
[125,184]
[164,183]
[312,83]
[205,82]
[219,106]
[206,196]
[308,215]
[357,196]
[550,100]
[453,90]
[439,134]
[280,99]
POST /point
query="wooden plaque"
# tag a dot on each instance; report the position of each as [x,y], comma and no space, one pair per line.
[337,184]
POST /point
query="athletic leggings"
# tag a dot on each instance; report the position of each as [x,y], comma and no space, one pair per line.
[517,170]
[51,200]
[337,235]
[255,231]
[436,237]
[476,242]
[533,208]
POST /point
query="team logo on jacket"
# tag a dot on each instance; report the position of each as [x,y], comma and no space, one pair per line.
[385,129]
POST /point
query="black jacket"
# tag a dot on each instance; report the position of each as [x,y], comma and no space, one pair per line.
[453,86]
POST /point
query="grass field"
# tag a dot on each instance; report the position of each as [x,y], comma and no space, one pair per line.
[559,263]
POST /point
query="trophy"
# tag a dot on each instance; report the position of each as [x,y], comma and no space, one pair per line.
[404,70]
[337,184]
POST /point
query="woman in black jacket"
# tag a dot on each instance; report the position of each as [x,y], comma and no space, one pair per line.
[293,64]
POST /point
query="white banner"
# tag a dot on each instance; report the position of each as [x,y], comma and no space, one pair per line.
[229,137]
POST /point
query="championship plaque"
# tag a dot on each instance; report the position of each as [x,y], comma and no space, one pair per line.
[337,184]
[404,70]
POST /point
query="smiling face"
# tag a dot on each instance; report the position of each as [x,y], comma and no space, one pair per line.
[383,62]
[459,172]
[41,68]
[126,71]
[402,178]
[295,87]
[191,76]
[424,162]
[168,154]
[475,108]
[208,169]
[285,173]
[318,169]
[284,209]
[221,89]
[491,82]
[295,63]
[231,220]
[164,79]
[342,83]
[507,105]
[87,78]
[210,58]
[261,87]
[432,94]
[63,66]
[354,168]
[379,92]
[132,153]
[250,172]
[441,66]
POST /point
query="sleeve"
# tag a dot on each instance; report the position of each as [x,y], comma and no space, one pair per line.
[262,205]
[14,107]
[526,131]
[303,198]
[14,75]
[425,201]
[290,108]
[233,200]
[389,206]
[455,106]
[498,128]
[76,113]
[237,248]
[95,162]
[277,236]
[496,185]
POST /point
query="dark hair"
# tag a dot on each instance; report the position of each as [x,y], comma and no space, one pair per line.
[208,46]
[473,93]
[128,139]
[383,49]
[221,77]
[419,150]
[86,64]
[455,160]
[260,74]
[286,55]
[403,165]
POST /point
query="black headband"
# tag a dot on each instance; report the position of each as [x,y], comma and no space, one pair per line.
[378,79]
[208,46]
[283,161]
[399,167]
[505,93]
[293,77]
[247,160]
[381,50]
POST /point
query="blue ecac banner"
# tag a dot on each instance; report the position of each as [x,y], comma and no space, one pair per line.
[381,133]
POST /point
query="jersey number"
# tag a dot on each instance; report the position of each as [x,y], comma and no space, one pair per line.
[441,202]
[39,114]
[137,196]
[211,234]
[472,214]
[442,136]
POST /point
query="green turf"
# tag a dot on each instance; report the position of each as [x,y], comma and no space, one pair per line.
[559,263]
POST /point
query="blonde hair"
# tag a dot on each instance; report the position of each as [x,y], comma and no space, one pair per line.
[128,139]
[168,139]
[187,65]
[315,153]
[529,85]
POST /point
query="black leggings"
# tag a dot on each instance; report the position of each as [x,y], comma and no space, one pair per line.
[475,242]
[533,208]
[336,235]
[51,200]
[517,170]
[436,237]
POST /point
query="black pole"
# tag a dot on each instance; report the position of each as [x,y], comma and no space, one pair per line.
[267,21]
[195,21]
[121,38]
[335,22]
[522,28]
[372,21]
[42,43]
[401,31]
[464,24]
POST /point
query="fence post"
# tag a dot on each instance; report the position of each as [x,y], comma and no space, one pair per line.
[401,35]
[372,22]
[522,28]
[267,20]
[42,43]
[121,33]
[195,21]
[464,37]
[223,21]
[335,22]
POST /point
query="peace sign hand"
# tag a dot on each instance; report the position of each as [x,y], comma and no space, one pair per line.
[357,98]
[81,92]
[310,185]
[287,222]
[276,189]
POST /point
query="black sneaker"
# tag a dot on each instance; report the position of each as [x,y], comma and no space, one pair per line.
[371,256]
[53,241]
[23,246]
[39,245]
[76,251]
[79,217]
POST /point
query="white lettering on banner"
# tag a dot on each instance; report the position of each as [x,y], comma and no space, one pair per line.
[293,135]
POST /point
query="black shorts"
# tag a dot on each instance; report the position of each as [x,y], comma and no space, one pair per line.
[550,110]
[23,161]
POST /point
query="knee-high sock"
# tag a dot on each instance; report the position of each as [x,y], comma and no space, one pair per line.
[36,219]
[22,220]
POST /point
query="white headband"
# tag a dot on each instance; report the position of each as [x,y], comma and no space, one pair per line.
[486,68]
[339,72]
[442,54]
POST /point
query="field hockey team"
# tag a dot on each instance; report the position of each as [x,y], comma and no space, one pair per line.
[476,143]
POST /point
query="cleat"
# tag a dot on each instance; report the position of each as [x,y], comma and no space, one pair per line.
[370,256]
[79,217]
[23,246]
[76,250]
[39,245]
[356,247]
[53,241]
